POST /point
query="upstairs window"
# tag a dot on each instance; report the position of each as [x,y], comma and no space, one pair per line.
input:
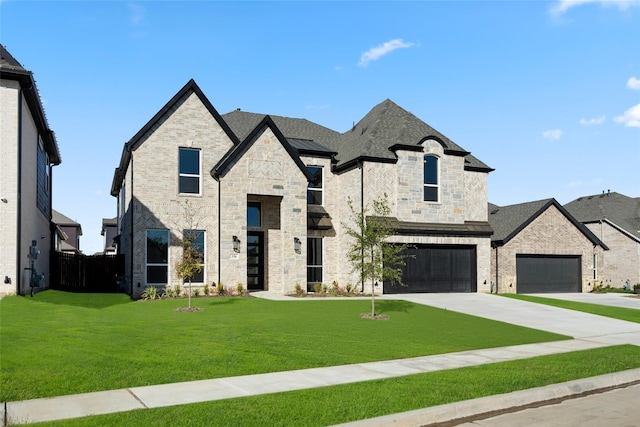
[431,187]
[189,173]
[254,214]
[42,180]
[314,189]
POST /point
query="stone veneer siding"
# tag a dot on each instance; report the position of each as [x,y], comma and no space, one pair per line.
[551,233]
[622,261]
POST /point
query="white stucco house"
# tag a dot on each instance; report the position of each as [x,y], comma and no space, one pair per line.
[28,151]
[266,198]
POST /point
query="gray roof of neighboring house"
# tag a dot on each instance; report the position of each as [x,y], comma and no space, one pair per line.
[11,69]
[64,221]
[508,221]
[621,210]
[108,222]
[373,138]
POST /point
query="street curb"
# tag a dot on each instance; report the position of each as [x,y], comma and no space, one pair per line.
[484,407]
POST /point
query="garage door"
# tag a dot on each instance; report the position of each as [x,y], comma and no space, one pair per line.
[547,273]
[437,268]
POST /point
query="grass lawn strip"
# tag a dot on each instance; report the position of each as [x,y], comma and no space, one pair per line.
[620,313]
[338,404]
[59,343]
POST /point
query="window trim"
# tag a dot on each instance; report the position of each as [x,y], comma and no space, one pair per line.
[315,189]
[190,175]
[431,185]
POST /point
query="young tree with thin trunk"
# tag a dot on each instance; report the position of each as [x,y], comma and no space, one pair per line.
[192,259]
[370,254]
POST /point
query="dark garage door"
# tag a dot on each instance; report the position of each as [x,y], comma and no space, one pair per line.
[437,268]
[548,273]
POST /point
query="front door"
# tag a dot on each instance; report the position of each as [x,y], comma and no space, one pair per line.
[255,260]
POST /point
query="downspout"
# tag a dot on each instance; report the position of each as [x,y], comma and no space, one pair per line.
[219,232]
[132,204]
[19,197]
[362,215]
[497,268]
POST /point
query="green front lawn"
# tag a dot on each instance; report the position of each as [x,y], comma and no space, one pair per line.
[338,404]
[621,313]
[60,343]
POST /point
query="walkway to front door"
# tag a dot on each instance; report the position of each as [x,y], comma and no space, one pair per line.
[255,260]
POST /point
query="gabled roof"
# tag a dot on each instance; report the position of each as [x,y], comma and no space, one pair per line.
[64,221]
[11,69]
[139,137]
[108,222]
[228,160]
[621,211]
[384,129]
[508,221]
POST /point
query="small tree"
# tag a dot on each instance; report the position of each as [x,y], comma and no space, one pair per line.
[191,262]
[192,259]
[370,254]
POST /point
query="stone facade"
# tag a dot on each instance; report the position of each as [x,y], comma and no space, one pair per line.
[551,233]
[265,169]
[621,263]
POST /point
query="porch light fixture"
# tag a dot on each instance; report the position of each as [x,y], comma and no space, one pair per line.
[236,244]
[297,245]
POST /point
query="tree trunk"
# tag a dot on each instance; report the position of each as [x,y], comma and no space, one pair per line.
[189,293]
[373,301]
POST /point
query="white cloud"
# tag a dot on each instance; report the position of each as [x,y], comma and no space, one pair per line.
[592,122]
[633,83]
[631,117]
[378,52]
[553,134]
[562,6]
[136,13]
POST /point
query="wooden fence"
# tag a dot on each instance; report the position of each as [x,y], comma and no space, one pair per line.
[86,273]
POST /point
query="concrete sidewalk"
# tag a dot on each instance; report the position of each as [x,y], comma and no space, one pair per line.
[590,332]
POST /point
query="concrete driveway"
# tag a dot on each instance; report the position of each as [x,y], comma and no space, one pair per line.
[538,316]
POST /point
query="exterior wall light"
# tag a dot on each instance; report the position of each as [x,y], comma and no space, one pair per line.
[236,244]
[297,245]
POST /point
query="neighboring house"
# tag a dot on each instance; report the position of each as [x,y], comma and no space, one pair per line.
[28,151]
[539,247]
[265,198]
[69,232]
[109,232]
[615,219]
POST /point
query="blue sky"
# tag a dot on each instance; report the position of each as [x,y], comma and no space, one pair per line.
[545,92]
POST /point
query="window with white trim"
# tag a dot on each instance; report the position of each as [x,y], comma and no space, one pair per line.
[157,257]
[431,186]
[189,171]
[314,188]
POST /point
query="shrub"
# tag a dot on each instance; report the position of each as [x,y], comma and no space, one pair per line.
[178,291]
[240,288]
[220,289]
[150,293]
[317,288]
[196,292]
[299,289]
[205,290]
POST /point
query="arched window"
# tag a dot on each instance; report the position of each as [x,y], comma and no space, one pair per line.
[431,178]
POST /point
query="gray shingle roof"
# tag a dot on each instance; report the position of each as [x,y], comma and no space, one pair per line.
[508,221]
[11,69]
[617,208]
[385,126]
